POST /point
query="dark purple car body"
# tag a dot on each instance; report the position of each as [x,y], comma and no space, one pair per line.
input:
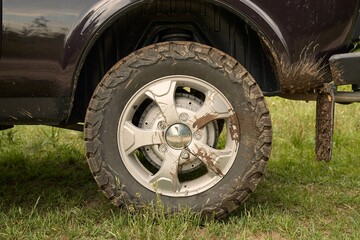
[44,44]
[55,53]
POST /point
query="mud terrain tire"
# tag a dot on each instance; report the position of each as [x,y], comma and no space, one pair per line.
[135,152]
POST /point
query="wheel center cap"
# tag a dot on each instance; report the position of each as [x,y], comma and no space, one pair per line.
[178,136]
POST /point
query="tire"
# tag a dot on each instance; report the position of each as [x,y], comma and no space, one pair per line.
[180,121]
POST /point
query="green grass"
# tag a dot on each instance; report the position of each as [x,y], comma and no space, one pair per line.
[356,47]
[47,191]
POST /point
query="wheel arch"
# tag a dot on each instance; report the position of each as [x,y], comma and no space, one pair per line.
[91,28]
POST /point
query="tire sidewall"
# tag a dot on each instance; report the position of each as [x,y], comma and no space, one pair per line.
[235,92]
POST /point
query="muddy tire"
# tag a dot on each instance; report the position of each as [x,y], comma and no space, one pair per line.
[181,121]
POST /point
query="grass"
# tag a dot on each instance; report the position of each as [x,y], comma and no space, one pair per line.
[356,47]
[47,191]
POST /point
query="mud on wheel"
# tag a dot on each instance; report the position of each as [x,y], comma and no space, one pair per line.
[180,120]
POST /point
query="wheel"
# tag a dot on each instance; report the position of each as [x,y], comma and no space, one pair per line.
[182,121]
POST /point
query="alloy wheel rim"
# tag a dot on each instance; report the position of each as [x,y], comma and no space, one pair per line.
[176,128]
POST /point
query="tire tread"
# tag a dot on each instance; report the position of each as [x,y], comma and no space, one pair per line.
[123,70]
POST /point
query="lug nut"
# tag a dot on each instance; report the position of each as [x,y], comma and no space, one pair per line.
[184,117]
[163,148]
[184,155]
[198,135]
[162,125]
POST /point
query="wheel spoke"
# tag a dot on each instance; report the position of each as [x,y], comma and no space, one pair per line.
[213,108]
[166,179]
[136,137]
[214,159]
[164,96]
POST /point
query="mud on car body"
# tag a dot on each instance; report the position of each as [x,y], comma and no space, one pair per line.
[170,94]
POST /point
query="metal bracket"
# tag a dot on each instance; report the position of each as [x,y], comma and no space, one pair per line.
[325,106]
